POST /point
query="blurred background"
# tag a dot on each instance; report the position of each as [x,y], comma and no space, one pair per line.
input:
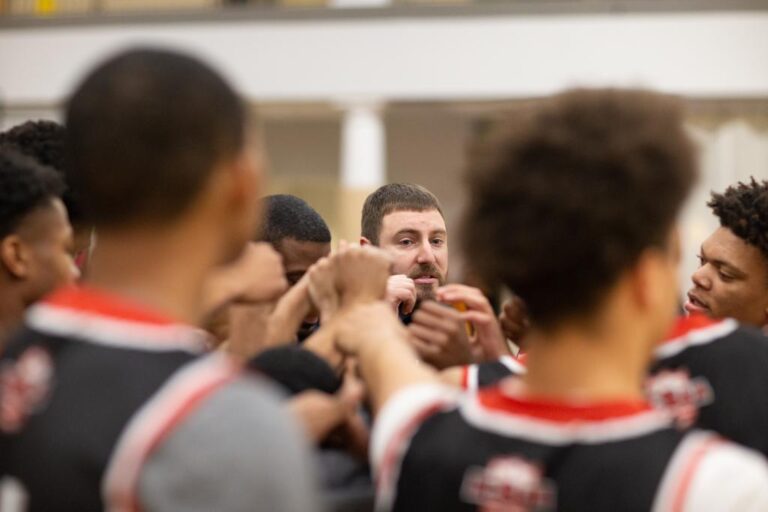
[356,93]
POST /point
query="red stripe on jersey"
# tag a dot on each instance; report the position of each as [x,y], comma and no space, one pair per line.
[522,358]
[678,505]
[498,399]
[84,299]
[465,377]
[686,324]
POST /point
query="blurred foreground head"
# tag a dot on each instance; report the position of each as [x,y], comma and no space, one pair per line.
[578,196]
[156,138]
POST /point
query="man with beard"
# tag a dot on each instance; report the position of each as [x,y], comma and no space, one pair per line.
[407,221]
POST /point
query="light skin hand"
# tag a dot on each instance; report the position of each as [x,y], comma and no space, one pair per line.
[401,290]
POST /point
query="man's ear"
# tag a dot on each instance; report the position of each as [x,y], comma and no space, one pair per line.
[364,241]
[13,255]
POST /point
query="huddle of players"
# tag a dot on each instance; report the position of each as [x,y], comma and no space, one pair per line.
[110,398]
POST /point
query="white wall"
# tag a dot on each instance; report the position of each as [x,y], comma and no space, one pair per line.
[696,54]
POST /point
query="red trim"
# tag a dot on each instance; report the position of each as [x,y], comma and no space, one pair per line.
[522,358]
[185,408]
[496,399]
[686,324]
[85,299]
[393,450]
[678,504]
[465,376]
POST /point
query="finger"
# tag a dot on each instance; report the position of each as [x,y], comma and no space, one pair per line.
[428,336]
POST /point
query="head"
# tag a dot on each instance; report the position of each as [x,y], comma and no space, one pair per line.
[732,279]
[157,140]
[573,207]
[43,141]
[35,234]
[297,232]
[407,221]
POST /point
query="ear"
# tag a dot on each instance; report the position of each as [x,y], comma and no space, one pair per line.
[14,257]
[364,241]
[648,279]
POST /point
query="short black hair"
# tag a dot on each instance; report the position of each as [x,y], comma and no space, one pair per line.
[25,186]
[287,216]
[43,140]
[390,198]
[145,129]
[572,193]
[743,209]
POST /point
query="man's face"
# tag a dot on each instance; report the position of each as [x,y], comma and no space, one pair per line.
[418,244]
[48,236]
[732,280]
[298,256]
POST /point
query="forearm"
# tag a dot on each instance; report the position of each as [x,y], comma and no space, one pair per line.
[390,366]
[287,316]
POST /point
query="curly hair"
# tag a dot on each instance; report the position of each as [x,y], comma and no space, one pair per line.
[43,140]
[570,193]
[743,209]
[25,186]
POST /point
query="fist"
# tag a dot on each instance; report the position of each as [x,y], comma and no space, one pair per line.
[361,275]
[258,274]
[401,290]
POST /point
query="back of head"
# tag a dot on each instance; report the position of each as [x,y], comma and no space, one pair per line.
[743,209]
[44,142]
[573,192]
[145,129]
[25,186]
[287,216]
[391,198]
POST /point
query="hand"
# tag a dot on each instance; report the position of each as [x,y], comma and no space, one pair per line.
[369,324]
[488,342]
[439,335]
[361,275]
[320,413]
[257,276]
[401,290]
[514,320]
[322,288]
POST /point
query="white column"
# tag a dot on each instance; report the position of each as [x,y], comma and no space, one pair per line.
[363,162]
[360,3]
[363,147]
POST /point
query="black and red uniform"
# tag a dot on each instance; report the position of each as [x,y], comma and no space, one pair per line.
[710,373]
[496,450]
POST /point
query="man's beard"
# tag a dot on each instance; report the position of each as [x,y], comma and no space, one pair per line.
[426,291]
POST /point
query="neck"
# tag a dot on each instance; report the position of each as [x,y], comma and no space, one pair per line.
[599,362]
[163,269]
[12,307]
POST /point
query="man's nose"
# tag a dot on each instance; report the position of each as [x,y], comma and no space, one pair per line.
[701,277]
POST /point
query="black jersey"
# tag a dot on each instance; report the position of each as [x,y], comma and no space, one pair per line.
[88,388]
[714,375]
[494,451]
[708,373]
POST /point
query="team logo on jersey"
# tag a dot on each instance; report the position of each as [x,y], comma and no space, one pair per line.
[675,391]
[24,387]
[508,484]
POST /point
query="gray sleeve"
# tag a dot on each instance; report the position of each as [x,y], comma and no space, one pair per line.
[239,451]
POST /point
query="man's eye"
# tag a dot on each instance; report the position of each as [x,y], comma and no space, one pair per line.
[725,277]
[438,241]
[701,260]
[406,242]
